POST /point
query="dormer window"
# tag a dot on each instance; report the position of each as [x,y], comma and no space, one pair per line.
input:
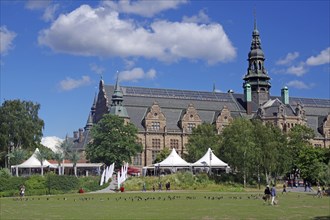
[191,126]
[155,126]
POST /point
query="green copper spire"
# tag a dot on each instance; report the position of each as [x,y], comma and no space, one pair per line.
[117,99]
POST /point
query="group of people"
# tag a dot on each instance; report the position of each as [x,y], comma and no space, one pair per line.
[270,195]
[167,185]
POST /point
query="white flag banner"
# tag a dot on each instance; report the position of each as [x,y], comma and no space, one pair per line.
[102,177]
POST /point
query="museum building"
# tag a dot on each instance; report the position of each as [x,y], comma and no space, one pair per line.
[166,117]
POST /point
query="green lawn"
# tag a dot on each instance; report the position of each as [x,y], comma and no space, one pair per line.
[165,205]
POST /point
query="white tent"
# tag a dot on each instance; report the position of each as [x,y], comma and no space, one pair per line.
[209,159]
[173,160]
[33,162]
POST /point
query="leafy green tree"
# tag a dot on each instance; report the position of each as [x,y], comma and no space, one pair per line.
[310,162]
[17,156]
[65,148]
[203,137]
[20,127]
[271,153]
[59,157]
[74,156]
[42,155]
[299,137]
[162,155]
[238,147]
[113,140]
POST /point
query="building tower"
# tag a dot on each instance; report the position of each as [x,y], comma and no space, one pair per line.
[256,75]
[117,107]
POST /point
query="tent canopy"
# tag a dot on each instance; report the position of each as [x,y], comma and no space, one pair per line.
[173,160]
[33,162]
[209,159]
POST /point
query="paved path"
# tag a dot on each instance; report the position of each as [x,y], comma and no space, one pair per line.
[109,189]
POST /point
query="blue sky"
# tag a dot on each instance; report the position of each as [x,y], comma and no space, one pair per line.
[55,52]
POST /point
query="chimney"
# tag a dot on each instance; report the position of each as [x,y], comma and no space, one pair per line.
[80,135]
[248,98]
[75,135]
[285,95]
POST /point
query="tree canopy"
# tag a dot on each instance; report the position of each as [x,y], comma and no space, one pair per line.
[20,127]
[113,140]
[203,137]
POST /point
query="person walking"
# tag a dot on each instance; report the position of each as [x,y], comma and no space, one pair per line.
[22,190]
[273,194]
[284,188]
[267,194]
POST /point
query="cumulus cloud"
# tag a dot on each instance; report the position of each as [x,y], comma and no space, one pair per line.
[97,69]
[37,4]
[136,74]
[288,59]
[299,84]
[200,18]
[52,142]
[70,84]
[145,8]
[322,58]
[6,40]
[50,12]
[106,35]
[297,70]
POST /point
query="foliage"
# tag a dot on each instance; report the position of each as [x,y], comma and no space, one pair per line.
[17,156]
[42,155]
[113,140]
[238,147]
[20,127]
[203,137]
[5,173]
[74,156]
[162,155]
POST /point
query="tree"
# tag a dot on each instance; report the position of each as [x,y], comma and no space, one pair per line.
[74,156]
[162,155]
[271,150]
[238,147]
[203,137]
[113,140]
[17,156]
[20,127]
[42,155]
[59,157]
[299,137]
[65,148]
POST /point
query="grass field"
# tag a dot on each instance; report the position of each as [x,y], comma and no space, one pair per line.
[165,205]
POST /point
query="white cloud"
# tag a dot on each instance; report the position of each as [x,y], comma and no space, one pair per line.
[97,69]
[6,40]
[288,59]
[105,34]
[145,8]
[37,4]
[297,70]
[52,142]
[299,84]
[322,58]
[49,13]
[200,18]
[69,83]
[136,74]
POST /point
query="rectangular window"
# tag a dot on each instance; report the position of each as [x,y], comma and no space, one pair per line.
[137,160]
[174,143]
[191,126]
[154,155]
[155,126]
[156,144]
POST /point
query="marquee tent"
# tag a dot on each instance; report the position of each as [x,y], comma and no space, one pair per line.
[209,159]
[33,162]
[173,160]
